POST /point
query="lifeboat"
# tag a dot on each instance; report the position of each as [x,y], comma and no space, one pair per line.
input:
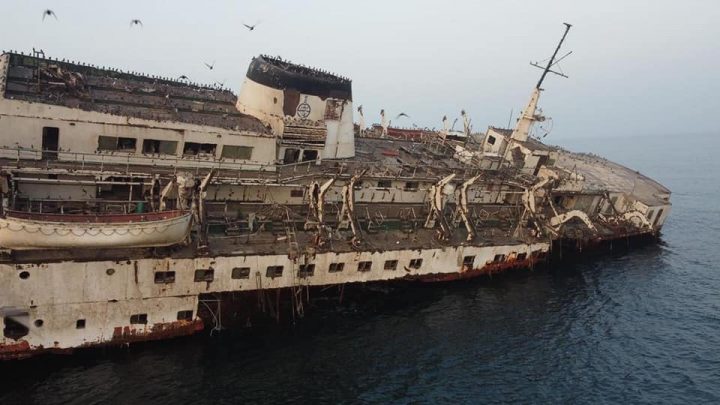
[30,230]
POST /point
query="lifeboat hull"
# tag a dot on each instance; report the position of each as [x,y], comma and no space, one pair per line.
[28,233]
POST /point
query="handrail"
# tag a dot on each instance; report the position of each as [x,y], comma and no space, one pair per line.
[126,157]
[344,168]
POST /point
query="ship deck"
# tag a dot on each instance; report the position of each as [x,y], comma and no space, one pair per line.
[603,175]
[378,157]
[267,243]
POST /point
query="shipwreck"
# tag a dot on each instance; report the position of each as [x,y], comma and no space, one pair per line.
[138,208]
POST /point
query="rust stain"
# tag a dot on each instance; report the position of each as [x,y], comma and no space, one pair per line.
[18,350]
[468,273]
[157,331]
[121,335]
[290,101]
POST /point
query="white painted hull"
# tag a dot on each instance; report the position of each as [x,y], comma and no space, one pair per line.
[63,292]
[24,234]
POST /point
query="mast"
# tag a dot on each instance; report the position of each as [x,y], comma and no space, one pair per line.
[522,129]
[552,58]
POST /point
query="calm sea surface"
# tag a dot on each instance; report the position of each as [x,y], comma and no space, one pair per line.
[640,327]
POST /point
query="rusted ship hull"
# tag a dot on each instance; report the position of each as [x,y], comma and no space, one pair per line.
[133,287]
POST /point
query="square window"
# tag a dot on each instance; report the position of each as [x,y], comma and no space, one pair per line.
[274,271]
[499,258]
[138,319]
[384,183]
[411,186]
[107,143]
[391,264]
[159,147]
[364,266]
[521,256]
[336,267]
[309,155]
[185,315]
[491,140]
[198,149]
[204,275]
[80,324]
[291,156]
[306,270]
[110,143]
[297,192]
[127,144]
[164,277]
[236,152]
[468,261]
[240,272]
[415,263]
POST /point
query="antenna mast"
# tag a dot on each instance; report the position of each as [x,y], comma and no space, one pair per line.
[528,117]
[552,61]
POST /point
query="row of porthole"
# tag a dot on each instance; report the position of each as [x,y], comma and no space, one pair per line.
[184,315]
[304,270]
[26,274]
[79,324]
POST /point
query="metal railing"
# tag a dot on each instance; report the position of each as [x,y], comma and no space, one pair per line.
[280,173]
[126,159]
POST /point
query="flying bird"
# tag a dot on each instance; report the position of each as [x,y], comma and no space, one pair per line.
[49,12]
[251,27]
[209,66]
[402,114]
[183,77]
[136,22]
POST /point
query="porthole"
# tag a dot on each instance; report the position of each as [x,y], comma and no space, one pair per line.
[39,323]
[110,272]
[24,275]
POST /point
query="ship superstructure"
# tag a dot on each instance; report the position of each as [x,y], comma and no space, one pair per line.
[137,208]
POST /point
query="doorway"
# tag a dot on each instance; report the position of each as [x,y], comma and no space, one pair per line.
[50,137]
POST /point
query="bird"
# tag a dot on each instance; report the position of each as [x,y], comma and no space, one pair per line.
[251,27]
[402,114]
[135,22]
[209,66]
[49,12]
[183,77]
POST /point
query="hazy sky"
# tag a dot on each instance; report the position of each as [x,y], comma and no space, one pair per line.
[637,68]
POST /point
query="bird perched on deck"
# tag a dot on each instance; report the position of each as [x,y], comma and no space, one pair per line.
[402,114]
[209,66]
[251,27]
[48,13]
[183,77]
[135,22]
